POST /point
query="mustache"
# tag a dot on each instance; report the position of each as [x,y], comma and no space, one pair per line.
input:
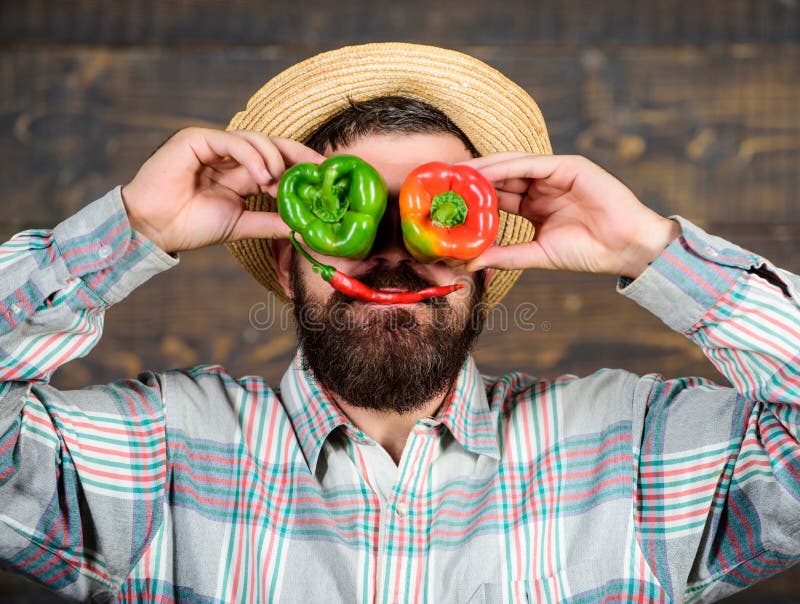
[401,276]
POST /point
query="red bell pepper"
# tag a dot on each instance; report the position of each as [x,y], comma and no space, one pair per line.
[447,212]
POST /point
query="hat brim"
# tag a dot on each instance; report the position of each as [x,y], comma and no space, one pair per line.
[494,113]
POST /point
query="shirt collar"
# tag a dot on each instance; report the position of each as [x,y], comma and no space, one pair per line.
[314,416]
[467,415]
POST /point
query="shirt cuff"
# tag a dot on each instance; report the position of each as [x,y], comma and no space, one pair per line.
[98,245]
[689,276]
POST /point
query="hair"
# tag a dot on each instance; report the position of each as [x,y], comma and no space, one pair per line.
[380,115]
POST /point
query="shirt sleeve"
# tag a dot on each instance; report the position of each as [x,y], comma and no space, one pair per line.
[81,472]
[718,468]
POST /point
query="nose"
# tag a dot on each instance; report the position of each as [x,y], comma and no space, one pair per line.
[389,246]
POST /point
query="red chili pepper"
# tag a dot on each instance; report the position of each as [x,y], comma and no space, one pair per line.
[356,289]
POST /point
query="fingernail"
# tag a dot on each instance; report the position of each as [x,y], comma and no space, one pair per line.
[267,175]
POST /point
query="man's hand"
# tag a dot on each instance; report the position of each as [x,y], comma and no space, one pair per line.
[190,193]
[585,219]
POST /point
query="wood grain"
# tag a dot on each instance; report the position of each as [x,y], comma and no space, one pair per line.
[247,22]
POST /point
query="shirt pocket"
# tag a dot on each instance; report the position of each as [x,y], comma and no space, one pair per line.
[492,593]
[559,586]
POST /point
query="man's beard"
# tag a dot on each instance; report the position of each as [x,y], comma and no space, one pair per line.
[390,359]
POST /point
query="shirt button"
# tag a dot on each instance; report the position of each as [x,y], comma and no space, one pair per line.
[712,252]
[401,508]
[104,251]
[16,308]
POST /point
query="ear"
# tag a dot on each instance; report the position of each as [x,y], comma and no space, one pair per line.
[282,252]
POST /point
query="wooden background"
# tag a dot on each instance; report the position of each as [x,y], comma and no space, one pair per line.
[695,104]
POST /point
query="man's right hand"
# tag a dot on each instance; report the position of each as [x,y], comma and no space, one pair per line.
[190,193]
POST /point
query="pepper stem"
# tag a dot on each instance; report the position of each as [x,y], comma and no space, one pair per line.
[329,205]
[448,209]
[325,270]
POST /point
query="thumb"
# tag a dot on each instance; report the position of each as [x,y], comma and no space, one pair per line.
[259,225]
[519,255]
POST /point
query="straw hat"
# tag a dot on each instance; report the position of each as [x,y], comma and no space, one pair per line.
[494,112]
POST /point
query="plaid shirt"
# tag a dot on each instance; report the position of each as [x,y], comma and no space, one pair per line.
[194,486]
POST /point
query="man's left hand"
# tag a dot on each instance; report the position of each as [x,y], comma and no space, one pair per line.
[585,219]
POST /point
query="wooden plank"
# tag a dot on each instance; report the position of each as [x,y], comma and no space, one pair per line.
[781,589]
[248,22]
[712,134]
[16,589]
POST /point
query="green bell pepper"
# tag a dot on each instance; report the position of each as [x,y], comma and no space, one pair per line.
[335,206]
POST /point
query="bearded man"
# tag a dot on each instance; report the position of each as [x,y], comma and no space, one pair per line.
[385,467]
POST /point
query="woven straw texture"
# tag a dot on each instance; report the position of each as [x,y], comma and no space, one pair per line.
[494,112]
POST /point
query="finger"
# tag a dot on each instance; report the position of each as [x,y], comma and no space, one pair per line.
[558,170]
[295,152]
[238,179]
[509,202]
[512,202]
[260,225]
[492,158]
[272,156]
[227,163]
[513,185]
[213,145]
[519,255]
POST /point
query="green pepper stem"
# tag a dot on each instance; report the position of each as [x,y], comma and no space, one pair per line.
[448,209]
[331,199]
[325,270]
